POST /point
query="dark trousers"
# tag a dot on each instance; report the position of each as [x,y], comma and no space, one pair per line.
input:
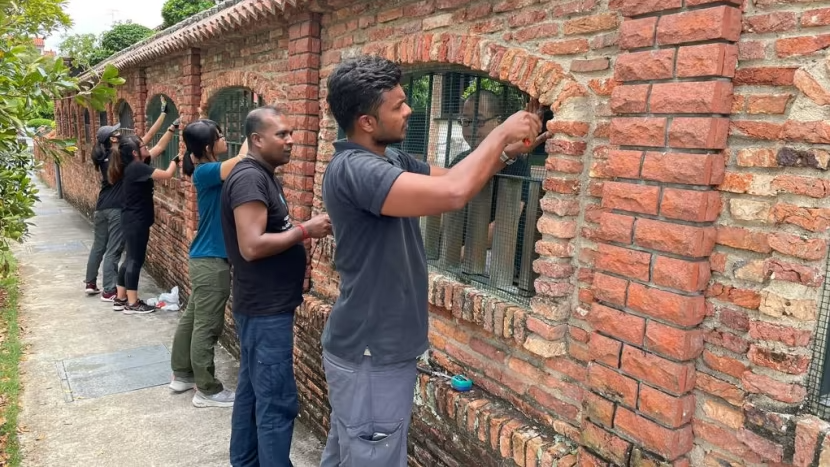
[135,242]
[371,408]
[107,246]
[266,405]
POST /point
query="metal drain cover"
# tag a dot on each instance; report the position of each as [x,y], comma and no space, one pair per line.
[113,373]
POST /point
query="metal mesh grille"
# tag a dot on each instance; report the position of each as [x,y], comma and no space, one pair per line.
[819,376]
[125,116]
[490,243]
[229,109]
[172,148]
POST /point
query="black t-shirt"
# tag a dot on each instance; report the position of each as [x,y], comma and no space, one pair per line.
[110,195]
[381,260]
[137,210]
[271,285]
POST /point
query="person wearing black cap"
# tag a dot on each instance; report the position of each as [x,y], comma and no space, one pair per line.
[108,243]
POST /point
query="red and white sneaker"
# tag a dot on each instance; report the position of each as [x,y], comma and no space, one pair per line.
[91,289]
[108,296]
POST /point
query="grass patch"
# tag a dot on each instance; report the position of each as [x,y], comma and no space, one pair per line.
[10,353]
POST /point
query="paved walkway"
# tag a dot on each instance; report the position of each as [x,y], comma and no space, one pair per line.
[94,381]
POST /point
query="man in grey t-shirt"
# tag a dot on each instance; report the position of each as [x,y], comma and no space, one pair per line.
[374,196]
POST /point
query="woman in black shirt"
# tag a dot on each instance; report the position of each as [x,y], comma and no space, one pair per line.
[137,216]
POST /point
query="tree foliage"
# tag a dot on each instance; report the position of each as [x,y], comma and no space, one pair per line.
[176,11]
[86,50]
[28,83]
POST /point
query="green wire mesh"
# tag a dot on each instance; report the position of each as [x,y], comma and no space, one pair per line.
[229,109]
[153,112]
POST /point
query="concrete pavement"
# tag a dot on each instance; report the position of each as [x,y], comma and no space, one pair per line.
[94,381]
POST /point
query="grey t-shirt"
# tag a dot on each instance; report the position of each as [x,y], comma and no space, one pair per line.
[383,271]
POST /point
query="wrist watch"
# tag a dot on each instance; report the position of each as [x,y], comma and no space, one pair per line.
[506,159]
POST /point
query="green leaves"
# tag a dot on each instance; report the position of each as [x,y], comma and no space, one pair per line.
[175,11]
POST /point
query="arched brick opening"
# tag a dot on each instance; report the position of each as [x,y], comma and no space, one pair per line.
[229,107]
[255,82]
[153,108]
[124,115]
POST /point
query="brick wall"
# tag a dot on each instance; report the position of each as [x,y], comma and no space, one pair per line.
[684,233]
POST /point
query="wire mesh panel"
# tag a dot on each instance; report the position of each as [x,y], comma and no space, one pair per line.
[154,111]
[490,242]
[819,376]
[125,116]
[229,109]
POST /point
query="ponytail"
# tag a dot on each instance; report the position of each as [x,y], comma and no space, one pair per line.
[199,137]
[128,146]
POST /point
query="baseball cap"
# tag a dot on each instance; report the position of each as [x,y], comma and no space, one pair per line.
[106,131]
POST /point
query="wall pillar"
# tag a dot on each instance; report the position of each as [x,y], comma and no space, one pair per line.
[189,111]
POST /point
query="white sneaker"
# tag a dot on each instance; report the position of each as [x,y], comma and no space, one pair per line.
[222,399]
[180,385]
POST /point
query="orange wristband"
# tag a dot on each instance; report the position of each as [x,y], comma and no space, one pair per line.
[305,232]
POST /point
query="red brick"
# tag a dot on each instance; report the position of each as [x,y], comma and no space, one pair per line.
[765,76]
[793,364]
[691,169]
[678,309]
[707,60]
[598,409]
[488,350]
[807,435]
[550,332]
[591,24]
[692,97]
[812,249]
[752,50]
[638,131]
[695,242]
[728,341]
[697,132]
[784,392]
[725,439]
[757,157]
[804,45]
[744,239]
[700,25]
[640,7]
[664,441]
[719,388]
[630,98]
[724,364]
[645,66]
[760,445]
[771,22]
[820,17]
[536,32]
[630,197]
[693,206]
[636,33]
[623,261]
[619,164]
[672,342]
[785,271]
[607,445]
[805,186]
[585,459]
[812,219]
[615,228]
[769,104]
[526,18]
[688,276]
[792,337]
[617,323]
[449,4]
[670,411]
[605,350]
[612,385]
[674,377]
[565,47]
[609,289]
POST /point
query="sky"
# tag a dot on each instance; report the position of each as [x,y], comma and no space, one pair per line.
[96,16]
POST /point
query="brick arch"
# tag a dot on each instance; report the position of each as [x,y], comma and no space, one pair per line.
[170,91]
[534,74]
[246,79]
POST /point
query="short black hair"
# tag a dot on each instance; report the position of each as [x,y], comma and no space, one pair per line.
[356,88]
[255,118]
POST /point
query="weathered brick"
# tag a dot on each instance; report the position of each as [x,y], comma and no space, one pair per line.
[630,197]
[695,242]
[565,47]
[630,98]
[679,344]
[699,25]
[615,227]
[691,169]
[697,132]
[757,157]
[642,131]
[623,261]
[635,33]
[664,441]
[693,206]
[644,66]
[640,7]
[617,323]
[770,22]
[598,409]
[609,289]
[607,445]
[590,24]
[674,377]
[707,60]
[723,414]
[605,350]
[668,410]
[784,392]
[790,336]
[691,97]
[679,309]
[724,364]
[688,276]
[794,364]
[612,384]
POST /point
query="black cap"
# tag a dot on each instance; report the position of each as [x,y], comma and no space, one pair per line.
[106,131]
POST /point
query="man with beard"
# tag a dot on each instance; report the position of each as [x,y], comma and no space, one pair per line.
[374,195]
[269,260]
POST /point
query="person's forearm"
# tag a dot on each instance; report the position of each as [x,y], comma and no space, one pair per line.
[161,146]
[148,136]
[270,244]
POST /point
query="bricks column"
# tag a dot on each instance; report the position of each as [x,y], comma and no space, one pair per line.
[656,227]
[140,114]
[304,108]
[191,96]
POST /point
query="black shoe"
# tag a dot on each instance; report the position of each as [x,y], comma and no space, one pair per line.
[138,308]
[118,304]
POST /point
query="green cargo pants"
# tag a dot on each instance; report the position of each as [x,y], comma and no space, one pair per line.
[200,326]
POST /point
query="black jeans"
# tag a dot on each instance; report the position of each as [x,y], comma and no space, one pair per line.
[135,241]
